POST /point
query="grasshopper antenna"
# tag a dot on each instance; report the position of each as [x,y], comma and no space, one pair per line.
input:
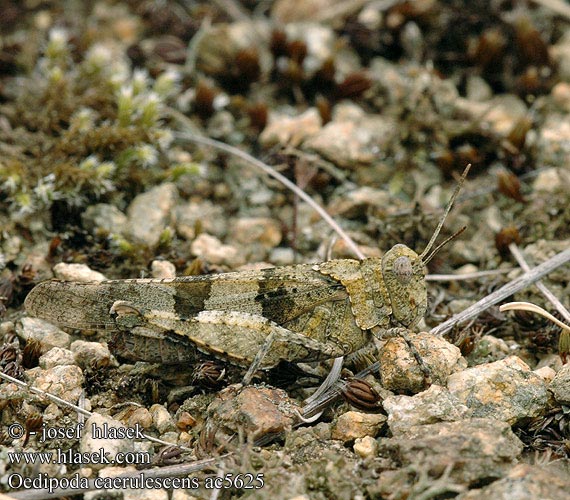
[442,220]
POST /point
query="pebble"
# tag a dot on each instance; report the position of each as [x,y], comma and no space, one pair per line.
[485,448]
[92,354]
[355,424]
[487,350]
[353,137]
[149,213]
[62,381]
[257,410]
[76,272]
[211,218]
[554,140]
[436,404]
[550,180]
[560,385]
[505,390]
[365,447]
[57,356]
[290,130]
[525,482]
[546,373]
[45,333]
[162,420]
[400,371]
[142,417]
[282,256]
[104,217]
[213,251]
[92,444]
[162,269]
[263,230]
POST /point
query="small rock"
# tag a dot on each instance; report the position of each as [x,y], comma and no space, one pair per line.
[550,360]
[487,350]
[560,385]
[76,272]
[45,333]
[550,180]
[554,140]
[505,390]
[213,251]
[57,356]
[354,424]
[525,482]
[400,371]
[561,95]
[290,130]
[62,381]
[162,269]
[478,89]
[104,217]
[92,354]
[282,256]
[161,418]
[365,447]
[141,417]
[149,213]
[546,373]
[434,405]
[481,449]
[263,230]
[209,217]
[257,410]
[104,426]
[353,137]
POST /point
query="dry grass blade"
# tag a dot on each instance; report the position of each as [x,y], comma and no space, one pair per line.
[504,292]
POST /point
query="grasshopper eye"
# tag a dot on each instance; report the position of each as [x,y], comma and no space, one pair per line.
[402,269]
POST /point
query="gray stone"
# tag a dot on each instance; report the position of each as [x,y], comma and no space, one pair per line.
[478,449]
[62,381]
[56,356]
[162,269]
[436,404]
[527,482]
[150,212]
[161,419]
[290,130]
[505,390]
[76,272]
[104,217]
[560,385]
[400,371]
[487,350]
[92,354]
[209,217]
[45,333]
[214,251]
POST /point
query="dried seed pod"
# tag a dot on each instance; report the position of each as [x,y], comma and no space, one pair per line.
[209,373]
[278,44]
[490,48]
[8,354]
[248,66]
[504,238]
[297,51]
[14,370]
[31,353]
[360,394]
[325,108]
[169,455]
[33,424]
[204,100]
[564,345]
[530,44]
[509,185]
[517,135]
[258,115]
[354,85]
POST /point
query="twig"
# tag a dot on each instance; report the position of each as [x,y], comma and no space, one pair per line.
[467,276]
[517,254]
[78,409]
[503,292]
[276,175]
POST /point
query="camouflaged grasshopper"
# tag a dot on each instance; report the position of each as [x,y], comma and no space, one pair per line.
[301,313]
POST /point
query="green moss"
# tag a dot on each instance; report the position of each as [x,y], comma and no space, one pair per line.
[82,131]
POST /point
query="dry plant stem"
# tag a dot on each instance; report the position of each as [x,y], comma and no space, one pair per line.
[517,254]
[529,306]
[467,276]
[276,175]
[503,292]
[80,411]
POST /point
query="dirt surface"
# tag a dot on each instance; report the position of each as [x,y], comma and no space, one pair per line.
[373,109]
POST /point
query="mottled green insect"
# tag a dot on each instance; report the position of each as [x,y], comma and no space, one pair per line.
[300,313]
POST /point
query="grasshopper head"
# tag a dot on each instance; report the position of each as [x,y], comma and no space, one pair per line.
[404,277]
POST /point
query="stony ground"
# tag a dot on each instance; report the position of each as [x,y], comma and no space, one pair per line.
[373,109]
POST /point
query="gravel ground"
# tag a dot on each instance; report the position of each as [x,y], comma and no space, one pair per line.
[373,109]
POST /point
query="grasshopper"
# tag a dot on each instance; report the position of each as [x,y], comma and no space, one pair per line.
[301,313]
